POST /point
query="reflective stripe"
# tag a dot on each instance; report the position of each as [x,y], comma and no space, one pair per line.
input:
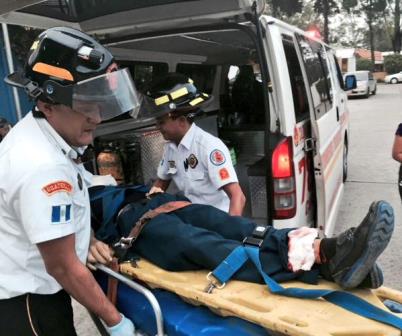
[179,93]
[29,315]
[161,100]
[196,101]
[53,71]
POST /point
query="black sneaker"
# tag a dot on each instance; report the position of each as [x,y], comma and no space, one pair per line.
[357,249]
[373,280]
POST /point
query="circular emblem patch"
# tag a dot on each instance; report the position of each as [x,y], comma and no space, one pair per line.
[217,157]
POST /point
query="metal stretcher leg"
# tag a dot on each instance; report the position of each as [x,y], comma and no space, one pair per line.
[141,289]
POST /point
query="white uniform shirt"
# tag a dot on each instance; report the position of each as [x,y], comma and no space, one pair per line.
[200,165]
[43,196]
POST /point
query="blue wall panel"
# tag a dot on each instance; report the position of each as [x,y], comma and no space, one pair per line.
[7,106]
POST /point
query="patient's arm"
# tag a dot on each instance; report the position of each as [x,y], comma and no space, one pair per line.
[99,252]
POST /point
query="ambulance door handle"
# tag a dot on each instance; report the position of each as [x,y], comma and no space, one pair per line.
[337,113]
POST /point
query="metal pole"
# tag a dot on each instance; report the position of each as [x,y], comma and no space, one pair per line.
[11,68]
[141,289]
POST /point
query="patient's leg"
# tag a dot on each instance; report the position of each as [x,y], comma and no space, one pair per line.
[211,218]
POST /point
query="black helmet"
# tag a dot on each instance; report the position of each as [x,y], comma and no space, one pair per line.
[176,94]
[67,66]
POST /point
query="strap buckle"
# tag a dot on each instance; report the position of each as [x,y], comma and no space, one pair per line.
[124,243]
[32,89]
[213,283]
[253,241]
[257,237]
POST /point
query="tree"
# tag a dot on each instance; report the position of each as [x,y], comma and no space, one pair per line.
[363,64]
[393,63]
[397,27]
[306,18]
[371,10]
[326,8]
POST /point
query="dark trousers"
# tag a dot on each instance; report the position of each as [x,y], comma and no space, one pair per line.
[201,237]
[37,315]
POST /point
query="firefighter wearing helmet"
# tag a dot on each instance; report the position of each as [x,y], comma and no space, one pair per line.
[199,163]
[45,213]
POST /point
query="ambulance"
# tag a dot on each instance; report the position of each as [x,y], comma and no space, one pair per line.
[279,96]
[279,103]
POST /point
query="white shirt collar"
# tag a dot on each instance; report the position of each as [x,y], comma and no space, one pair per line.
[52,135]
[188,137]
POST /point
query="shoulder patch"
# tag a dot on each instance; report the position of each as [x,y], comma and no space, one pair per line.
[217,157]
[61,214]
[57,186]
[224,174]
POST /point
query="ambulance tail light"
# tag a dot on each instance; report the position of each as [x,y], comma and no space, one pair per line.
[284,180]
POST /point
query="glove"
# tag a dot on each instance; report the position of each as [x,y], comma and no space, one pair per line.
[154,190]
[124,328]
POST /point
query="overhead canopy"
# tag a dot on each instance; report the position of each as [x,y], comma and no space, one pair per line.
[13,5]
[108,17]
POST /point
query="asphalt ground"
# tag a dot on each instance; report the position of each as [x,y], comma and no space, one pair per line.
[372,176]
[373,173]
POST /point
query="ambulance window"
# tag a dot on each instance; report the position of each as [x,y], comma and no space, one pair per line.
[144,72]
[202,75]
[338,71]
[299,93]
[314,58]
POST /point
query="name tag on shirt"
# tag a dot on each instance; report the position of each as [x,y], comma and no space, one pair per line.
[61,214]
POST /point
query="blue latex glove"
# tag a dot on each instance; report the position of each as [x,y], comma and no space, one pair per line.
[124,328]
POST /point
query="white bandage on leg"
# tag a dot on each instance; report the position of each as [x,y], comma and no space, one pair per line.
[300,249]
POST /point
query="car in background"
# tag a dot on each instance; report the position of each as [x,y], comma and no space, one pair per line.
[366,84]
[393,78]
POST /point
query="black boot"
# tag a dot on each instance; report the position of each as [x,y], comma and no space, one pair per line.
[374,278]
[357,249]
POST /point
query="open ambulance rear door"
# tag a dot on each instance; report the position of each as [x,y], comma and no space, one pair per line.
[122,16]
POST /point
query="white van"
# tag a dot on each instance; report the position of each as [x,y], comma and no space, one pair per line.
[366,84]
[279,95]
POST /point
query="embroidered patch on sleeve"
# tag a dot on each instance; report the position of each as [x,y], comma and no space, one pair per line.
[217,157]
[224,174]
[55,187]
[61,214]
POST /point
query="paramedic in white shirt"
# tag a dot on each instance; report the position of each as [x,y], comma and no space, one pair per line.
[198,162]
[44,205]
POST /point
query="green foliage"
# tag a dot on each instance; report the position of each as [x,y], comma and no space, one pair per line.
[363,64]
[323,6]
[393,63]
[348,5]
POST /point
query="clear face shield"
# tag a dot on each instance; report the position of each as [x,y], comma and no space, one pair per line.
[108,95]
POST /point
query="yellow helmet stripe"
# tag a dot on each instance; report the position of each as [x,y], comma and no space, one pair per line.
[53,71]
[161,100]
[196,101]
[179,93]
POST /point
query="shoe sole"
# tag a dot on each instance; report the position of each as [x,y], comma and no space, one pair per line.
[377,240]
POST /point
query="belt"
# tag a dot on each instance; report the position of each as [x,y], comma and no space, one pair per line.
[125,243]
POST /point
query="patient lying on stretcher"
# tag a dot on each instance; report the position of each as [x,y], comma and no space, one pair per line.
[201,237]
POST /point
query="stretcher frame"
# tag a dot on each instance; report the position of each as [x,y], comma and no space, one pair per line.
[143,275]
[140,289]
